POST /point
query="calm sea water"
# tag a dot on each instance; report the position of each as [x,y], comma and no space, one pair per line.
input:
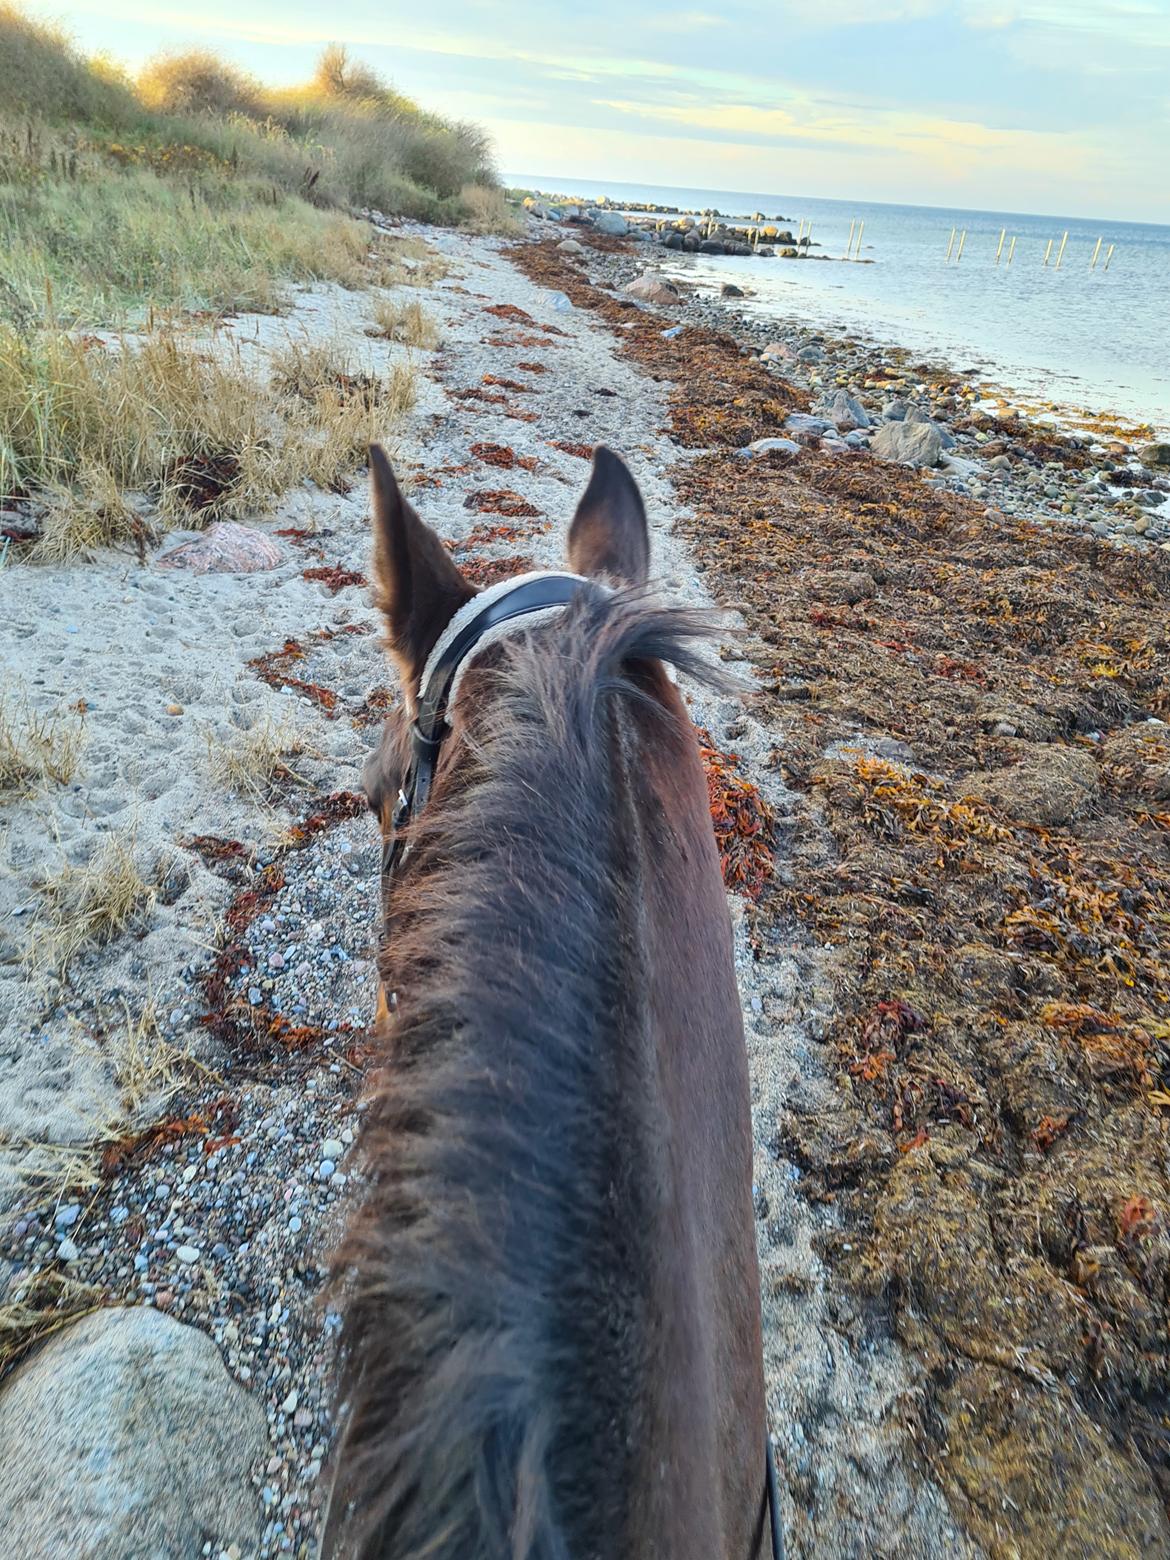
[1098,340]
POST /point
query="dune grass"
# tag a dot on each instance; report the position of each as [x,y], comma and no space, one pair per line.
[148,208]
[106,247]
[87,905]
[251,762]
[37,746]
[190,426]
[408,323]
[196,187]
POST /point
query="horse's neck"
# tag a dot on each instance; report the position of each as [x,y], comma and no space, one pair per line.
[702,1459]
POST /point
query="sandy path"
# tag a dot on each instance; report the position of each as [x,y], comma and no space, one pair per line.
[137,643]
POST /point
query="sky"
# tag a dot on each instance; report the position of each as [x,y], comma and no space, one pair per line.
[1045,106]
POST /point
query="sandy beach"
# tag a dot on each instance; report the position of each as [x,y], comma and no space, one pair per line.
[208,1183]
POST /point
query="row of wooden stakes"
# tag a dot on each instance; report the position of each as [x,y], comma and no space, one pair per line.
[962,237]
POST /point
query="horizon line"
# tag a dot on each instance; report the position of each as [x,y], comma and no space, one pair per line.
[514,180]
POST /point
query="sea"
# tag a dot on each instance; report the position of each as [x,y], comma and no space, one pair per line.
[1094,339]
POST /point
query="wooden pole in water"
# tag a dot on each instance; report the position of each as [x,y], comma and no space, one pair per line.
[1108,257]
[962,241]
[849,245]
[951,245]
[1048,251]
[808,241]
[1096,252]
[1060,254]
[1011,249]
[860,231]
[999,251]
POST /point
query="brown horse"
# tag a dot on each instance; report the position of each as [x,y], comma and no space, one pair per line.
[551,1316]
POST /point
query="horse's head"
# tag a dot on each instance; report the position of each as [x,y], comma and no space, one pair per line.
[419,590]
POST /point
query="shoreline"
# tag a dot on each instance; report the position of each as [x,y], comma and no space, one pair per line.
[1071,416]
[1062,465]
[881,317]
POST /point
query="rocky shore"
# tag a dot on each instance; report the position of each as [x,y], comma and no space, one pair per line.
[970,436]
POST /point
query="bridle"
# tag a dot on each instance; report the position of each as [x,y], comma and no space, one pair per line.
[478,623]
[487,617]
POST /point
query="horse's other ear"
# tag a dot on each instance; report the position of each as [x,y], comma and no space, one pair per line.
[609,535]
[417,586]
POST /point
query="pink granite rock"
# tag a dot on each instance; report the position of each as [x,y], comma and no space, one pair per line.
[224,548]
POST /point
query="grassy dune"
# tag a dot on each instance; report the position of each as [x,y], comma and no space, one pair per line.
[155,204]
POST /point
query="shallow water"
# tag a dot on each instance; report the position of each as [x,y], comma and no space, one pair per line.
[1091,338]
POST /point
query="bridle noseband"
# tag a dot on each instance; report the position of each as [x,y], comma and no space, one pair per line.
[478,623]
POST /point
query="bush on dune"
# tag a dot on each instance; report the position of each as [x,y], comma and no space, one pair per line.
[199,82]
[43,74]
[346,138]
[192,192]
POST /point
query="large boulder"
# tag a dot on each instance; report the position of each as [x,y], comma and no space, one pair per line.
[1156,457]
[844,411]
[652,289]
[915,414]
[570,246]
[912,444]
[125,1436]
[610,222]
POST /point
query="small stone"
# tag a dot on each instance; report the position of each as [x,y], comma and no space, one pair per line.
[294,1225]
[290,1403]
[188,1254]
[174,709]
[68,1216]
[332,1148]
[774,446]
[327,1167]
[255,995]
[67,1251]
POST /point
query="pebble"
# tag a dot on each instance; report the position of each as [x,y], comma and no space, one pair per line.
[187,1254]
[333,1148]
[67,1251]
[68,1216]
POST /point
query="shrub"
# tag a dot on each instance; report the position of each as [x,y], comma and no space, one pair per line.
[199,82]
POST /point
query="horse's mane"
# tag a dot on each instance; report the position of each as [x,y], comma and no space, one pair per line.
[495,1277]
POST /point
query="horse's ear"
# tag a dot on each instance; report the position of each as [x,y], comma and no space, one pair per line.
[609,535]
[417,586]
